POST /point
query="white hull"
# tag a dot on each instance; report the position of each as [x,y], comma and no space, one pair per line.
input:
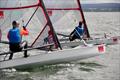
[96,41]
[54,57]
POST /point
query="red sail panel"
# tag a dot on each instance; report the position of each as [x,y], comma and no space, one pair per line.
[1,14]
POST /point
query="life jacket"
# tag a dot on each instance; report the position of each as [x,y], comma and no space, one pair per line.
[79,30]
[14,35]
[24,32]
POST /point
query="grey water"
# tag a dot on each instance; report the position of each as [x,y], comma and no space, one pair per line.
[103,67]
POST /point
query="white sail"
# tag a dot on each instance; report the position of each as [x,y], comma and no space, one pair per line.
[33,16]
[64,13]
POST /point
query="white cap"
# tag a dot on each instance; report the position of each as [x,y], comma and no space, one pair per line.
[17,22]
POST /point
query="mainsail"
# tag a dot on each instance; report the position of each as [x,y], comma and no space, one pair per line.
[35,18]
[65,13]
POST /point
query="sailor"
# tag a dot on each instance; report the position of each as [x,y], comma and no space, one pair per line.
[15,39]
[49,38]
[77,33]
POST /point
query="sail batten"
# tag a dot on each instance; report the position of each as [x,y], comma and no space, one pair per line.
[17,3]
[12,8]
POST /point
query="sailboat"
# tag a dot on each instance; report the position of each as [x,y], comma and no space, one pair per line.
[35,14]
[68,17]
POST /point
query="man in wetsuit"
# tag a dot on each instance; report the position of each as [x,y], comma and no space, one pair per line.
[15,39]
[77,33]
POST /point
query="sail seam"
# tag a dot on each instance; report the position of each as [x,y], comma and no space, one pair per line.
[13,8]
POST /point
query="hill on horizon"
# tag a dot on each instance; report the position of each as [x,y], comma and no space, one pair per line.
[101,7]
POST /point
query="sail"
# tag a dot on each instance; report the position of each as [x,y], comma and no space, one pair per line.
[32,14]
[28,13]
[10,14]
[65,13]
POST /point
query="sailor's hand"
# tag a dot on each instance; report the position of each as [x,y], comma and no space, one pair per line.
[24,31]
[24,27]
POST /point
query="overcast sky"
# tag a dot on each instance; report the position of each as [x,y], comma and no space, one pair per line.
[101,1]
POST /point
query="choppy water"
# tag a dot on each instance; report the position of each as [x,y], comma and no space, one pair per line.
[104,67]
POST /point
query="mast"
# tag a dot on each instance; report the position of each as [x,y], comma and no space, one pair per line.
[41,4]
[85,25]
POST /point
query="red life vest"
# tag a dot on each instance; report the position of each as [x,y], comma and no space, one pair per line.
[24,32]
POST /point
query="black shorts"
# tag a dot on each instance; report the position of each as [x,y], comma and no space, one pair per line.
[14,47]
[73,37]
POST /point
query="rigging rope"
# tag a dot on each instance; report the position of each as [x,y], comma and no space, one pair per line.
[31,17]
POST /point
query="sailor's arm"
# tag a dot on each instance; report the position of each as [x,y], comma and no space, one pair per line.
[24,32]
[72,32]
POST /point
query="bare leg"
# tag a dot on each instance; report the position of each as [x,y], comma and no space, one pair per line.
[11,55]
[24,44]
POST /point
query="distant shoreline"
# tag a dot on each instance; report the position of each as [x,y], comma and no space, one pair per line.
[101,7]
[106,10]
